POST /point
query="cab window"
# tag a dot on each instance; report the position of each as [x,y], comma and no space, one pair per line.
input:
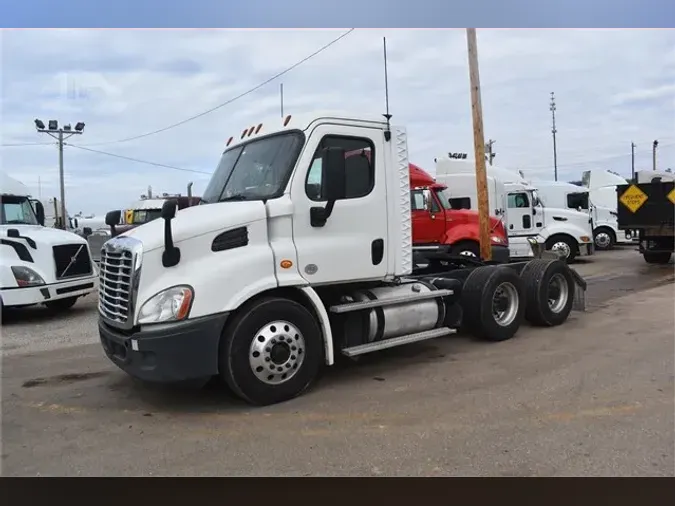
[518,200]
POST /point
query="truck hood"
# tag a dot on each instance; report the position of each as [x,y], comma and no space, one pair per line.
[44,235]
[198,220]
[469,216]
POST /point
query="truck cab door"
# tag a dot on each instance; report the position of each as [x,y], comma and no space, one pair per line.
[428,219]
[352,244]
[521,214]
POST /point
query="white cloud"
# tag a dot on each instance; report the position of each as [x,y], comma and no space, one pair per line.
[612,87]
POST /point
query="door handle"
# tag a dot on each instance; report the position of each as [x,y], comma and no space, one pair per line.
[433,216]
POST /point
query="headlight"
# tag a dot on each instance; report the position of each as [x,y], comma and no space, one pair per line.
[172,304]
[26,277]
[497,239]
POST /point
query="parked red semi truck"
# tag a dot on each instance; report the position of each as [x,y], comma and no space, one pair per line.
[436,226]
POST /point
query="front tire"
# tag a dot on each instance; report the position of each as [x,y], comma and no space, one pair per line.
[493,303]
[604,239]
[564,246]
[660,257]
[466,248]
[271,352]
[60,305]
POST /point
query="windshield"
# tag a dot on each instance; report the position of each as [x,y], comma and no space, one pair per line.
[16,211]
[257,170]
[145,215]
[443,199]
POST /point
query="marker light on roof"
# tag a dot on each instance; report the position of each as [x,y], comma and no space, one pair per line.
[258,129]
[250,131]
[243,133]
[288,118]
[229,141]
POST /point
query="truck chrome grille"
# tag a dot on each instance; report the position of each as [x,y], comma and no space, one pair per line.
[118,277]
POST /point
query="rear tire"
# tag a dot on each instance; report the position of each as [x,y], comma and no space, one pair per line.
[271,352]
[549,292]
[493,303]
[661,257]
[604,238]
[60,305]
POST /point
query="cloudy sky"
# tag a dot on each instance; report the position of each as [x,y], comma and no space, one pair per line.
[612,87]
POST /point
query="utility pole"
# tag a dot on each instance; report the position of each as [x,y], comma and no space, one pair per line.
[632,160]
[479,146]
[654,146]
[554,131]
[57,133]
[490,152]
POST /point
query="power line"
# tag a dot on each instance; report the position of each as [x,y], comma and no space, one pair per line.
[138,160]
[27,144]
[241,95]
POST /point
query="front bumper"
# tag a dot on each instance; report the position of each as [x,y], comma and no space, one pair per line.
[20,296]
[166,353]
[586,249]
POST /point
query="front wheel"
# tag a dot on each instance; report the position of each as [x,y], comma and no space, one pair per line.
[271,352]
[563,246]
[657,257]
[604,239]
[466,249]
[60,305]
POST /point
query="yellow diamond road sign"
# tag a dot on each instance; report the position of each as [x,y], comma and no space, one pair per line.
[633,198]
[671,196]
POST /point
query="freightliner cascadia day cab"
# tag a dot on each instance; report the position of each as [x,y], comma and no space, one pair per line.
[38,264]
[269,279]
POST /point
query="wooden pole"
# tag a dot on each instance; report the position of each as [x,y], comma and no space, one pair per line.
[479,147]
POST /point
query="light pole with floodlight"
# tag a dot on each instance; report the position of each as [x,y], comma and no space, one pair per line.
[57,133]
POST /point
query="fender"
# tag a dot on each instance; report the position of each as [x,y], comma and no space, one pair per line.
[461,232]
[316,302]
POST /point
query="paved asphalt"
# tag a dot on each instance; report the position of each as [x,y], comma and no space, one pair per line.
[593,397]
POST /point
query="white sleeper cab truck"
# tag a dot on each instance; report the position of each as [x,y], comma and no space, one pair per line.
[601,185]
[526,218]
[38,264]
[263,284]
[567,213]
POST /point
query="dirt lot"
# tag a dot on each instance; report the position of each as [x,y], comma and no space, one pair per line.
[594,397]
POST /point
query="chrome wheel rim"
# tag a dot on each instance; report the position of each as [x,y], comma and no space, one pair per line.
[467,253]
[505,304]
[557,293]
[602,240]
[277,352]
[562,248]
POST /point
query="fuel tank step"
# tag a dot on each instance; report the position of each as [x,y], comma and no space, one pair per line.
[368,304]
[397,341]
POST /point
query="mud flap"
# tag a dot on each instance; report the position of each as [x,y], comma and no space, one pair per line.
[580,286]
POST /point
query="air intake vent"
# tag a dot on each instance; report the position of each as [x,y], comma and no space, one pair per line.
[235,238]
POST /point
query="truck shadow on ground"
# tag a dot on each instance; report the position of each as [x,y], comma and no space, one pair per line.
[213,396]
[38,314]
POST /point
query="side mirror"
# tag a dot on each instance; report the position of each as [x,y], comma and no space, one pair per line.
[169,209]
[426,198]
[333,184]
[40,212]
[86,231]
[112,218]
[333,166]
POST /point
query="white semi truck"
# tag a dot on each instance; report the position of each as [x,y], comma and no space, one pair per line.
[263,284]
[526,216]
[38,264]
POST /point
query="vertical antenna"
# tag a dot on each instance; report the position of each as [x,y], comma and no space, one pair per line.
[387,133]
[39,188]
[281,96]
[554,131]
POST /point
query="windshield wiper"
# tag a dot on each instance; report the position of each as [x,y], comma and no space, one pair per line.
[231,198]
